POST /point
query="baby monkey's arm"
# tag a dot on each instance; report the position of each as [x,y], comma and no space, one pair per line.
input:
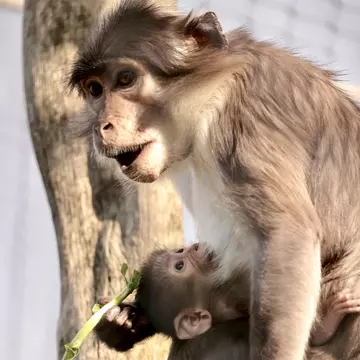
[339,305]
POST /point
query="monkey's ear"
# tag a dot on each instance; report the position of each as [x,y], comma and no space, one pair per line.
[206,30]
[190,323]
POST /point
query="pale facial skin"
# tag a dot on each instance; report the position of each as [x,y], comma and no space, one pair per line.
[193,260]
[133,127]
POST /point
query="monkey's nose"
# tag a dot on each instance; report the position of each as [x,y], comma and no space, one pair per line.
[195,246]
[105,128]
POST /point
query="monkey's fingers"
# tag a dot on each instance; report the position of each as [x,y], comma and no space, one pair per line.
[350,310]
[344,294]
[103,300]
[128,324]
[346,305]
[122,318]
[340,298]
[112,313]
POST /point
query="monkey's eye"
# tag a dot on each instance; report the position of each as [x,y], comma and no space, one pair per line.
[94,88]
[126,78]
[179,266]
[179,251]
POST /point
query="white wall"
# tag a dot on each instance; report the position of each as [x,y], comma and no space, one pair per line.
[29,276]
[327,31]
[28,257]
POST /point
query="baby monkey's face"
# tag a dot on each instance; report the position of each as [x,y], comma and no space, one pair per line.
[190,261]
[180,295]
[196,298]
[175,281]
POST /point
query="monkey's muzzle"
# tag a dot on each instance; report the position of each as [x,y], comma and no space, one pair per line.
[127,156]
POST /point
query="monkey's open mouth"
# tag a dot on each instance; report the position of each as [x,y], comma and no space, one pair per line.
[206,255]
[128,155]
[209,257]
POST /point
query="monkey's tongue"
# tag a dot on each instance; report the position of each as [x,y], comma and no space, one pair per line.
[127,158]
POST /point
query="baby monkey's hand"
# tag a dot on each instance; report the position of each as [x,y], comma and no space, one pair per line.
[339,305]
[123,326]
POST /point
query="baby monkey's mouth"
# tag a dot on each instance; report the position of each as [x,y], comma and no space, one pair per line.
[127,156]
[210,257]
[207,255]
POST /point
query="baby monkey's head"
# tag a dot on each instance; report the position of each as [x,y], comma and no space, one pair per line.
[179,294]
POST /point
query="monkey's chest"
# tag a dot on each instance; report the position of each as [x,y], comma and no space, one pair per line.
[228,235]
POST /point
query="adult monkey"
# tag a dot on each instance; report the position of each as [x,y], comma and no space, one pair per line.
[272,145]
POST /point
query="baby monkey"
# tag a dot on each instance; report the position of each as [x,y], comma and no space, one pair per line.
[178,297]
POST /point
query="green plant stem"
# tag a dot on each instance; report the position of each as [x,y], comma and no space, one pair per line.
[73,348]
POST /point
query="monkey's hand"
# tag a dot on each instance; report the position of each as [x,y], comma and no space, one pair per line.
[123,326]
[339,305]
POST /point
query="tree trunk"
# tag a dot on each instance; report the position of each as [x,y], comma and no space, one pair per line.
[98,224]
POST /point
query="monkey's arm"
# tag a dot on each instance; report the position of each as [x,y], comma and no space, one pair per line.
[339,305]
[123,327]
[286,272]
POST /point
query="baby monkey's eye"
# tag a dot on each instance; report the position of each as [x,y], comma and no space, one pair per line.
[179,266]
[95,88]
[126,78]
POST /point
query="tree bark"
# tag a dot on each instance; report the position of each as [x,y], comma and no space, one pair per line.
[98,224]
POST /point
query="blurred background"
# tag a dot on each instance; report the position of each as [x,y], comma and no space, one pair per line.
[326,31]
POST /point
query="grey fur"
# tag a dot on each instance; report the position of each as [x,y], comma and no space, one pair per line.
[273,140]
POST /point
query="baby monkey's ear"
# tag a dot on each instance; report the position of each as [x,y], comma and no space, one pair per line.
[206,30]
[190,323]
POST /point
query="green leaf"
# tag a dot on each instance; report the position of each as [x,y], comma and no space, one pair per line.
[73,348]
[136,274]
[96,308]
[135,279]
[71,352]
[124,269]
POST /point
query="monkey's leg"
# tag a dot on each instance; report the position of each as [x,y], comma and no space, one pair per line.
[286,287]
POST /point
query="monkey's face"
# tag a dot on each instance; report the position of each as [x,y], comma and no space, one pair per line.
[175,280]
[130,73]
[131,124]
[172,280]
[190,261]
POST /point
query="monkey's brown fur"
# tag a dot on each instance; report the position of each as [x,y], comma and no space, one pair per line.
[167,296]
[271,143]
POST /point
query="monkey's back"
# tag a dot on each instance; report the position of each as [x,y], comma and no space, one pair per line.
[334,184]
[323,126]
[294,114]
